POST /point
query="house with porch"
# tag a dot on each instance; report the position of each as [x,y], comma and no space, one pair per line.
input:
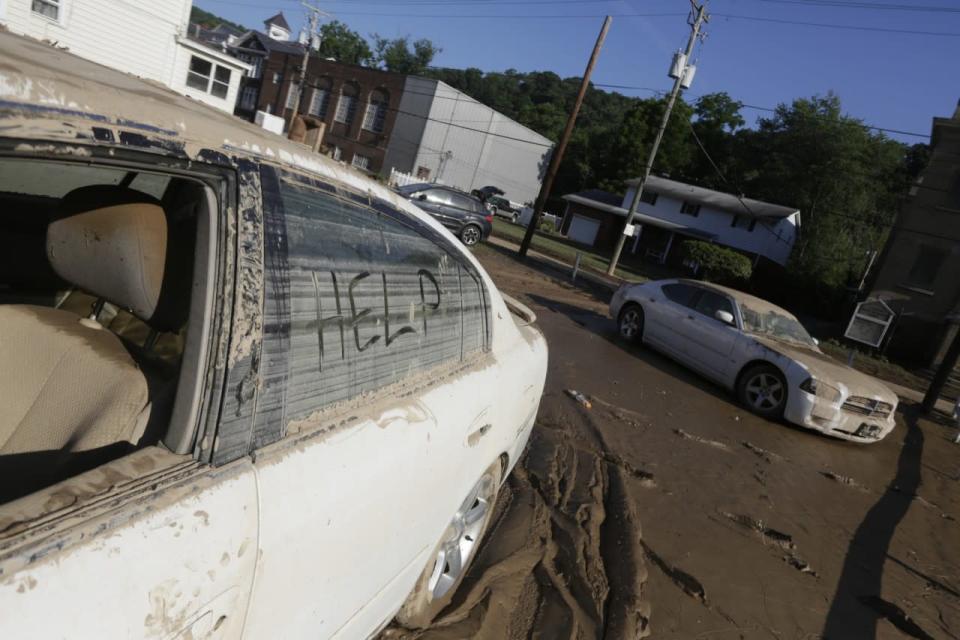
[671,212]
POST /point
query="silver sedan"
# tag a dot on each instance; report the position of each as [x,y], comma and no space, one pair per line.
[757,350]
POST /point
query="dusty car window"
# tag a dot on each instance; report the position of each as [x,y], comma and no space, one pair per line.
[768,322]
[679,293]
[372,299]
[709,303]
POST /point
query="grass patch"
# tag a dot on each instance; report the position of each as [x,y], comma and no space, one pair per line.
[876,366]
[559,247]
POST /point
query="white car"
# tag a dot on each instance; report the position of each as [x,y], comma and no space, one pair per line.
[759,351]
[245,392]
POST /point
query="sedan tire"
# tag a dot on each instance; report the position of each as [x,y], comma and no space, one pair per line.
[763,390]
[451,558]
[470,235]
[630,323]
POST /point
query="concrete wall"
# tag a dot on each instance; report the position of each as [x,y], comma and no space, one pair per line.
[487,147]
[773,239]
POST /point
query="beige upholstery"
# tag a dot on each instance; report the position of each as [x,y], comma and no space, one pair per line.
[65,385]
[115,252]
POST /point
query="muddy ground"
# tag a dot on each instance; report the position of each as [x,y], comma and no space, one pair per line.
[668,511]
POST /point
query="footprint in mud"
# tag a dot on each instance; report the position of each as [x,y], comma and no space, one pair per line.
[783,541]
[683,580]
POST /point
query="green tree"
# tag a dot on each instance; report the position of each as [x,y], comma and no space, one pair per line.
[398,56]
[717,117]
[341,43]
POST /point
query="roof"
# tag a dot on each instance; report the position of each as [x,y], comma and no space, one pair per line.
[715,199]
[269,44]
[756,303]
[47,94]
[279,21]
[599,195]
[642,218]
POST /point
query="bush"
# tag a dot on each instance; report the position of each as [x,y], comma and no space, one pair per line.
[547,226]
[718,264]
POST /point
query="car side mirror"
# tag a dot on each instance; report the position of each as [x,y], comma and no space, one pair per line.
[724,316]
[422,196]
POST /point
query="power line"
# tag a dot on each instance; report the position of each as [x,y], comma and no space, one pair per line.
[874,6]
[849,27]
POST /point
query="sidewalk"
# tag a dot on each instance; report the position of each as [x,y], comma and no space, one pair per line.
[912,395]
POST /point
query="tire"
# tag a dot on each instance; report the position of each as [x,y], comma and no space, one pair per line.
[437,585]
[470,235]
[515,218]
[630,323]
[762,389]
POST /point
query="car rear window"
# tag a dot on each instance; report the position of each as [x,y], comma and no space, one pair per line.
[374,297]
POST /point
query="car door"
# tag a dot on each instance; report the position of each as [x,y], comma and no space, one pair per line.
[372,463]
[441,207]
[710,341]
[663,315]
[462,210]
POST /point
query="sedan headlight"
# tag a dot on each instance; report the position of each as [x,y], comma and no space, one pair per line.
[820,389]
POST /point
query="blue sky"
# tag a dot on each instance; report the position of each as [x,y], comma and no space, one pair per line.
[894,80]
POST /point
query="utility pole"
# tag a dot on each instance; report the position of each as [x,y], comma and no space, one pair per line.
[701,16]
[315,14]
[562,144]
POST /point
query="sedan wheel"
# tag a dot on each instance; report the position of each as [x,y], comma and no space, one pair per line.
[470,235]
[764,391]
[630,323]
[448,565]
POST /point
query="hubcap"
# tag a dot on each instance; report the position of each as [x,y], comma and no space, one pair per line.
[471,236]
[461,538]
[630,324]
[764,391]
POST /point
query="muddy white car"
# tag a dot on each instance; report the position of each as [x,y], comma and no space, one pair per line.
[245,392]
[759,351]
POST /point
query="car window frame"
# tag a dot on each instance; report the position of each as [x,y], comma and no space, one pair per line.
[702,291]
[694,293]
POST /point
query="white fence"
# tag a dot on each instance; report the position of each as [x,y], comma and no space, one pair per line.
[401,179]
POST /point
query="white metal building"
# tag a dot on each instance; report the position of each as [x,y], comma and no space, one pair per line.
[443,135]
[146,39]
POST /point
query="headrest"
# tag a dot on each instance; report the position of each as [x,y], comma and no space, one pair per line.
[111,242]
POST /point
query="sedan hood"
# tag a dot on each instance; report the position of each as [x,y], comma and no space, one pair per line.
[830,371]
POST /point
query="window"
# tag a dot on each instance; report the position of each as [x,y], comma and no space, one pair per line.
[376,113]
[47,8]
[146,338]
[199,77]
[248,98]
[926,266]
[680,293]
[375,297]
[221,82]
[423,173]
[649,197]
[346,105]
[319,102]
[293,93]
[743,222]
[709,303]
[690,209]
[461,201]
[361,162]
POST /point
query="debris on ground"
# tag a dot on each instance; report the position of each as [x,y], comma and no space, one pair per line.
[579,397]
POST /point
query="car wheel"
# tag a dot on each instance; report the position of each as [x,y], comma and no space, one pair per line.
[451,558]
[763,390]
[515,219]
[630,322]
[470,235]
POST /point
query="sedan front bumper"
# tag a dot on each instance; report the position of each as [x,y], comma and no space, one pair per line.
[843,417]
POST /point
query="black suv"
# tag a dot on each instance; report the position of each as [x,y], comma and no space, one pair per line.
[461,213]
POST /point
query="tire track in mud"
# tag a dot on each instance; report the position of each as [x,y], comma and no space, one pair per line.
[563,556]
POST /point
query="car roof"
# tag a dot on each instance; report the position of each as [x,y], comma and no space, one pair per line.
[740,297]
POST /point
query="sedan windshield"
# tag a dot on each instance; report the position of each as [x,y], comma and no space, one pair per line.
[770,321]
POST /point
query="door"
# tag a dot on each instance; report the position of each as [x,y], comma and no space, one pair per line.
[709,341]
[583,230]
[439,204]
[359,490]
[665,313]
